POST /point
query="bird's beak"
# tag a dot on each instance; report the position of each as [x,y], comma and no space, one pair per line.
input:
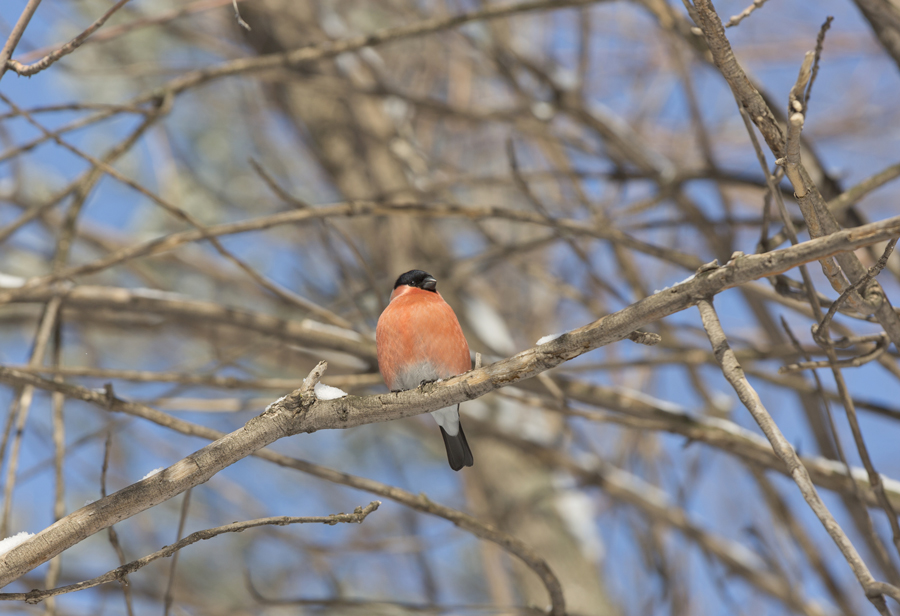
[429,284]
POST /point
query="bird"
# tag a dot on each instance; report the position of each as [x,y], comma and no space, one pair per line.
[418,340]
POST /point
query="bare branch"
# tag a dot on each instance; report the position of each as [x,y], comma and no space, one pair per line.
[121,573]
[293,415]
[18,30]
[854,362]
[820,331]
[45,62]
[736,19]
[735,376]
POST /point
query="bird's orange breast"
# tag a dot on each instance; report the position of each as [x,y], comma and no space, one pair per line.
[418,338]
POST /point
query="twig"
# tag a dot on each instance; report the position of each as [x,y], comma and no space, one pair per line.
[184,216]
[113,535]
[116,31]
[819,218]
[306,331]
[283,419]
[796,114]
[741,86]
[363,262]
[774,192]
[59,452]
[821,335]
[330,49]
[736,19]
[798,533]
[23,405]
[853,194]
[18,30]
[81,186]
[820,43]
[654,503]
[735,376]
[792,169]
[356,209]
[853,362]
[121,573]
[860,515]
[237,15]
[170,585]
[522,186]
[820,331]
[312,379]
[31,69]
[186,378]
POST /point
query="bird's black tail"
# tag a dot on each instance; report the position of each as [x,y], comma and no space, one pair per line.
[458,452]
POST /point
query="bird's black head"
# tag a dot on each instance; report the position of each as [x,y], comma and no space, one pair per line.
[417,279]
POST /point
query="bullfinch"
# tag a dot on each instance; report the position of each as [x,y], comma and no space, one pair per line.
[419,340]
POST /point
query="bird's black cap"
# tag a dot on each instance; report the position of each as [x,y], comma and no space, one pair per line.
[417,279]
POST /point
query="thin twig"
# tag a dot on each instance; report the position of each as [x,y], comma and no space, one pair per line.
[183,215]
[170,585]
[237,15]
[59,451]
[796,117]
[852,362]
[18,30]
[820,43]
[736,19]
[22,404]
[820,331]
[121,573]
[284,418]
[312,379]
[31,69]
[860,515]
[113,535]
[735,376]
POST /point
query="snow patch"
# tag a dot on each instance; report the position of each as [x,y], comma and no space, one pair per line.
[859,473]
[10,542]
[688,279]
[663,405]
[550,338]
[153,472]
[279,401]
[11,282]
[326,392]
[157,294]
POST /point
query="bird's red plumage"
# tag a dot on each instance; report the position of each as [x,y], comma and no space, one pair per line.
[419,338]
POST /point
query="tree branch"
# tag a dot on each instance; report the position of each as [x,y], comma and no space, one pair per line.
[75,43]
[293,414]
[120,573]
[735,376]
